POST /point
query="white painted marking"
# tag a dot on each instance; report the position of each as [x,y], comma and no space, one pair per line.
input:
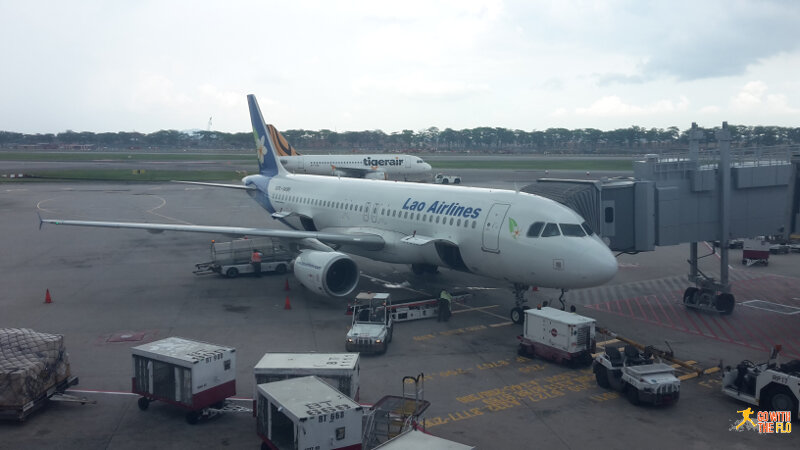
[765,307]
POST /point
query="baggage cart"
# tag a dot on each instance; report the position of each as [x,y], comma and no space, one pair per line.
[307,413]
[340,370]
[193,375]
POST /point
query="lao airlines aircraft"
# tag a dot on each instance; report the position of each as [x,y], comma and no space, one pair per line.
[522,238]
[375,166]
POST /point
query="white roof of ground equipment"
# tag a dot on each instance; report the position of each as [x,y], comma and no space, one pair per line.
[179,350]
[307,361]
[418,439]
[561,316]
[296,395]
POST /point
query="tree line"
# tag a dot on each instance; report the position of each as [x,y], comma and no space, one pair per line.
[633,139]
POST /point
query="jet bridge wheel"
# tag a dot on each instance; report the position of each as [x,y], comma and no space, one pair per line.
[690,295]
[144,403]
[725,303]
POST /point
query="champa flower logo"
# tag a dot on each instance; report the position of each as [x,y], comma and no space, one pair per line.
[513,228]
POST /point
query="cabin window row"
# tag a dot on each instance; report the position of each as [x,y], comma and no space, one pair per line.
[394,213]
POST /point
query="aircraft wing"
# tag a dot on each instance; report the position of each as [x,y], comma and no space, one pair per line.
[366,240]
[230,186]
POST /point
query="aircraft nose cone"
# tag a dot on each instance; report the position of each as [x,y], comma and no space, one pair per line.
[601,265]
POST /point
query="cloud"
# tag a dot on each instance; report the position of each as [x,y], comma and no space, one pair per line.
[753,98]
[419,87]
[613,106]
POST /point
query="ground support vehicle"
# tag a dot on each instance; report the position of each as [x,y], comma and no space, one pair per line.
[340,370]
[557,335]
[372,327]
[770,386]
[441,178]
[197,376]
[755,251]
[637,375]
[418,308]
[34,369]
[232,259]
[307,413]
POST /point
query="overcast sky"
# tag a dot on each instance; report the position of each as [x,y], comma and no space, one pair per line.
[364,65]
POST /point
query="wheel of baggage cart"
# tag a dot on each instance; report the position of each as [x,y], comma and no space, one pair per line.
[233,272]
[281,269]
[689,295]
[192,417]
[144,403]
[633,395]
[601,376]
[516,315]
[725,303]
[780,398]
[219,405]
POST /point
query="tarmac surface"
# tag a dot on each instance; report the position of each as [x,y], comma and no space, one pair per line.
[114,289]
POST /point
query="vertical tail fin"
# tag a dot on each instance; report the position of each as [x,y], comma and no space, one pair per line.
[268,141]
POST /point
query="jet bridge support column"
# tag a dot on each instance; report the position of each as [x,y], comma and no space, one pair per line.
[709,294]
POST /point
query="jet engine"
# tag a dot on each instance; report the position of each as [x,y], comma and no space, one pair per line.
[377,175]
[326,273]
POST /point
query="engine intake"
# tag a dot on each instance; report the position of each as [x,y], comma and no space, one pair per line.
[327,273]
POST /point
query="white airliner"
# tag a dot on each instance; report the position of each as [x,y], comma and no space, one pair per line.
[521,238]
[375,166]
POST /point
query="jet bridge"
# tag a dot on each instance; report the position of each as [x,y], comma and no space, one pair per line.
[703,195]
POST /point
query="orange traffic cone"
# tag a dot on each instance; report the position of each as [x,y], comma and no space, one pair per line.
[287,305]
[286,288]
[47,298]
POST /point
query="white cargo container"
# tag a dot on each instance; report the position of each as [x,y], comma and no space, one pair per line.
[558,335]
[307,413]
[340,370]
[191,374]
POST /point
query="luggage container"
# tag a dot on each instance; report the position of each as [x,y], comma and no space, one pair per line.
[558,335]
[306,413]
[190,374]
[340,370]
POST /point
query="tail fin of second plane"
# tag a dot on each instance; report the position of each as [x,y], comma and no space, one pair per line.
[269,142]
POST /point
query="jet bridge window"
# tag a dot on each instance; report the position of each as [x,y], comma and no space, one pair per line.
[572,229]
[535,229]
[551,229]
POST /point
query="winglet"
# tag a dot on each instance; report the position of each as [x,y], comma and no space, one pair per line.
[41,222]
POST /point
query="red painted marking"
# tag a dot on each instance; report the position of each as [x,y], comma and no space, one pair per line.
[700,315]
[619,308]
[719,325]
[627,302]
[677,316]
[636,299]
[663,311]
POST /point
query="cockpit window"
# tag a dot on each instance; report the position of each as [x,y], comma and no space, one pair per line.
[551,229]
[535,229]
[572,229]
[587,228]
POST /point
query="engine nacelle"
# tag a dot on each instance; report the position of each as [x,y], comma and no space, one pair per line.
[327,273]
[376,175]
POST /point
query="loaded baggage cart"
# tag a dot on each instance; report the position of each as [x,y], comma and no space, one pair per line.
[34,368]
[560,336]
[307,413]
[232,259]
[193,375]
[340,370]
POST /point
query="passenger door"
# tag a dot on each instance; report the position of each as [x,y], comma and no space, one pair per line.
[492,226]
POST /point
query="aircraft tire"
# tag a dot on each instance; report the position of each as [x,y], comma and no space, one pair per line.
[517,316]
